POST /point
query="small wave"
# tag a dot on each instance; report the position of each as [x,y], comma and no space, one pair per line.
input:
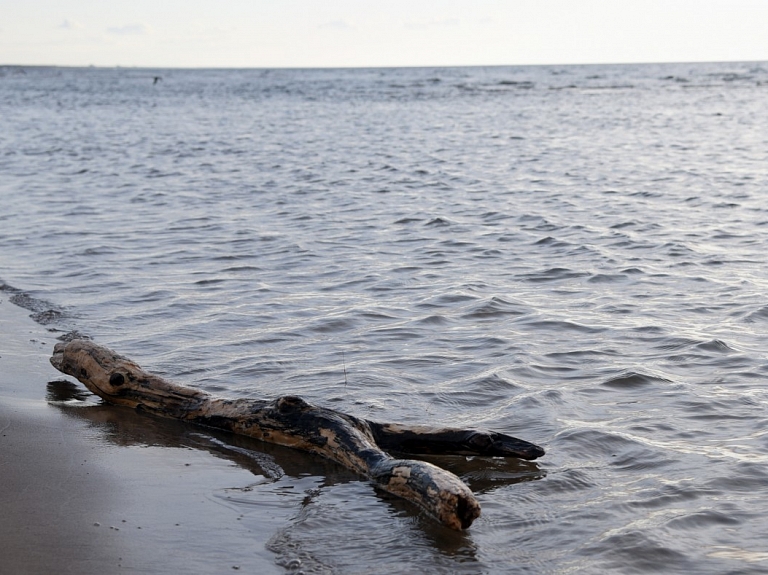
[393,334]
[701,519]
[641,551]
[438,221]
[552,275]
[433,320]
[649,329]
[632,379]
[495,307]
[483,344]
[492,383]
[553,242]
[332,325]
[745,477]
[447,299]
[242,269]
[561,326]
[494,216]
[408,220]
[715,345]
[623,225]
[666,496]
[565,481]
[524,84]
[99,251]
[606,278]
[620,450]
[675,343]
[760,314]
[581,355]
[639,459]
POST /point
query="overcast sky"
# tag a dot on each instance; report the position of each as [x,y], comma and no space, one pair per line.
[291,33]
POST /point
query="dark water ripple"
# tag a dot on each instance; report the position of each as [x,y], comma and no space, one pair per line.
[575,255]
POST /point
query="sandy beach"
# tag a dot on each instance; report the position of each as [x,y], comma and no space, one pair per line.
[89,488]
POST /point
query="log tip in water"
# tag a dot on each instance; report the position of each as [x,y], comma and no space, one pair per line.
[439,492]
[422,439]
[507,446]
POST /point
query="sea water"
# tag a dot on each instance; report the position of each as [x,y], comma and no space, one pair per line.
[574,255]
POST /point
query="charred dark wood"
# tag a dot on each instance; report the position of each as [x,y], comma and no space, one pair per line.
[353,442]
[425,440]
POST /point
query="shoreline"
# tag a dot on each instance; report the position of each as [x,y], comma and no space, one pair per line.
[90,488]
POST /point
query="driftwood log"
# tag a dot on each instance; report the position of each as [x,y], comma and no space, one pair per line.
[353,442]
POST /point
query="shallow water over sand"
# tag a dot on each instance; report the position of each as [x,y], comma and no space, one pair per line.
[572,255]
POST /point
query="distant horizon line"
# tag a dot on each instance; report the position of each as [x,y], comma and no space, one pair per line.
[382,67]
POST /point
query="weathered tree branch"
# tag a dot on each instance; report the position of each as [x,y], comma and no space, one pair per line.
[355,443]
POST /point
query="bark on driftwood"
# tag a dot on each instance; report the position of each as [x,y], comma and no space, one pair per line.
[353,442]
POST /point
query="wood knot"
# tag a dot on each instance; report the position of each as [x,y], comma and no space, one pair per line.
[116,379]
[291,403]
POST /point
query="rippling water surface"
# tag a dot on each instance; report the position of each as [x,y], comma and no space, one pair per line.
[572,255]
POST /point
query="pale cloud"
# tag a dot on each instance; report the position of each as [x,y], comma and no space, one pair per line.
[432,24]
[336,25]
[135,29]
[70,24]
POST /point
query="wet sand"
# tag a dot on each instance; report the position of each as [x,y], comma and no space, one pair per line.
[89,488]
